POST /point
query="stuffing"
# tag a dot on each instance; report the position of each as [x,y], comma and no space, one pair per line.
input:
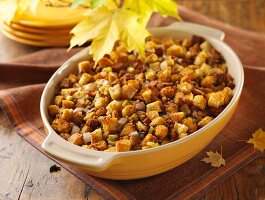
[129,102]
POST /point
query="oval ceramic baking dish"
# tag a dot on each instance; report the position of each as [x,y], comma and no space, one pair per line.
[142,163]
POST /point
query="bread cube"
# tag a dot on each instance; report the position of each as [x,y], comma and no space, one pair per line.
[185,87]
[141,127]
[216,99]
[114,105]
[168,92]
[53,110]
[68,104]
[85,66]
[176,50]
[172,107]
[100,102]
[134,83]
[127,129]
[128,110]
[100,145]
[112,76]
[105,62]
[165,75]
[123,145]
[208,81]
[58,100]
[115,92]
[96,136]
[155,66]
[206,120]
[157,105]
[158,121]
[151,58]
[152,114]
[161,131]
[76,139]
[148,138]
[128,91]
[61,126]
[200,102]
[188,98]
[150,75]
[68,91]
[134,138]
[177,117]
[147,95]
[186,43]
[228,93]
[85,79]
[67,114]
[181,128]
[110,125]
[200,58]
[192,126]
[179,98]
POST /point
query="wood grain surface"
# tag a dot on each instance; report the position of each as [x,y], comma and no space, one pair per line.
[24,171]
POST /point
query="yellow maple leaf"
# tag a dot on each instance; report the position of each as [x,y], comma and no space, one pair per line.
[12,9]
[25,4]
[258,140]
[7,9]
[215,159]
[146,7]
[105,26]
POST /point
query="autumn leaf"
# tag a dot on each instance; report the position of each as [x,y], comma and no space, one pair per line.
[12,9]
[258,140]
[146,7]
[25,4]
[109,26]
[93,3]
[215,159]
[7,9]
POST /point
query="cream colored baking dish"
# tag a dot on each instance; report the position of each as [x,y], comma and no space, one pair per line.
[143,163]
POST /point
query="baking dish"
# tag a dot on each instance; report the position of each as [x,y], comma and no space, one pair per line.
[148,162]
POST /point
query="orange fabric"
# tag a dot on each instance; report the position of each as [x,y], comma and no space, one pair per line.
[20,95]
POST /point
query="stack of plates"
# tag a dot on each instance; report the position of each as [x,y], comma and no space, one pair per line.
[46,27]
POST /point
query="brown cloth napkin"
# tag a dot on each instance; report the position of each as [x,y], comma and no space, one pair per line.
[22,81]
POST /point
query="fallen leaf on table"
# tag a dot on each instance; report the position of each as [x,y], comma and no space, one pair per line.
[215,159]
[258,140]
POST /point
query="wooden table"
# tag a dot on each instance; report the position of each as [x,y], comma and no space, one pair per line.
[24,171]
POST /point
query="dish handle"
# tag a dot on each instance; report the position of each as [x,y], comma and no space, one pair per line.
[199,29]
[83,158]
